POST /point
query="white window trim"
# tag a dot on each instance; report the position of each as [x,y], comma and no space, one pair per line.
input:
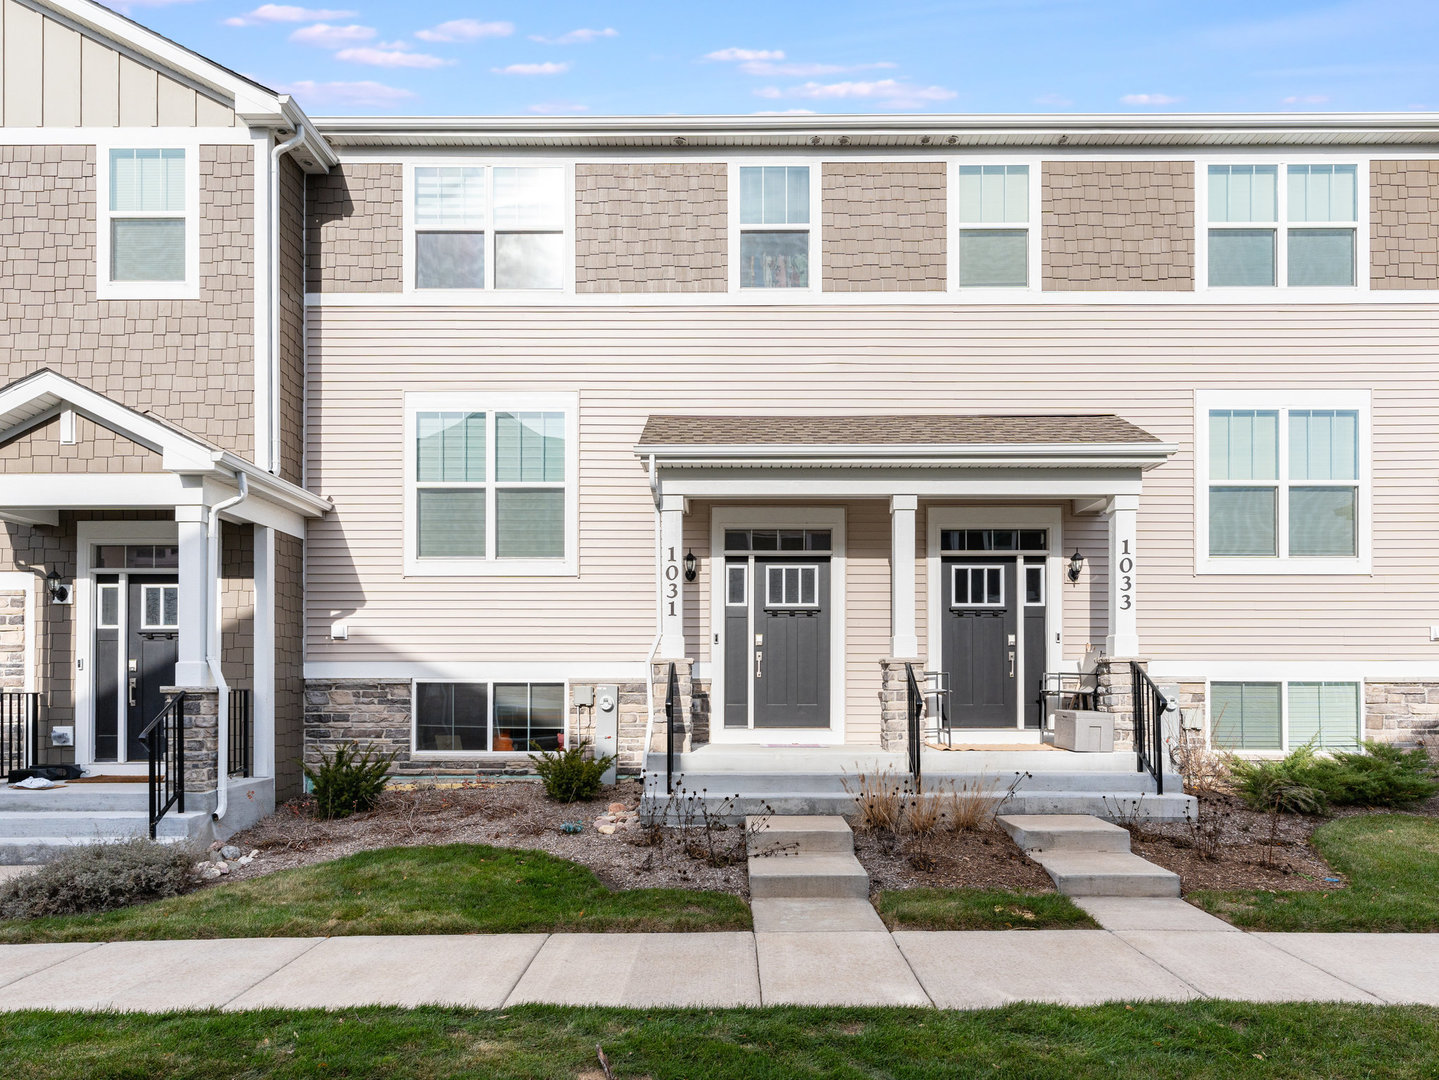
[189,289]
[729,570]
[1283,682]
[969,568]
[489,683]
[1361,225]
[1024,569]
[1034,269]
[492,566]
[816,236]
[508,296]
[100,623]
[782,605]
[145,591]
[1283,401]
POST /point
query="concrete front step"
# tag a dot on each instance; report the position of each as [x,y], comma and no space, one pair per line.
[1063,832]
[829,876]
[799,834]
[1106,873]
[98,825]
[1111,782]
[34,850]
[735,807]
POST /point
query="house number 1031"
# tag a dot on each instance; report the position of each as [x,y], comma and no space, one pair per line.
[672,580]
[1126,577]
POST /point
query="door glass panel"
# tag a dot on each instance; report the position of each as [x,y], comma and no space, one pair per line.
[1034,584]
[1034,540]
[161,607]
[817,540]
[736,540]
[792,586]
[109,607]
[109,557]
[978,586]
[808,585]
[735,585]
[765,539]
[791,540]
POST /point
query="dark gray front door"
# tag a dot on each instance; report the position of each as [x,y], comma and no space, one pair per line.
[790,647]
[980,640]
[127,687]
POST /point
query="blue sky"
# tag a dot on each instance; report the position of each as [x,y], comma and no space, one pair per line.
[503,57]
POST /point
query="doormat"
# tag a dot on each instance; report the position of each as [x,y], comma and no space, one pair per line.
[102,779]
[1010,747]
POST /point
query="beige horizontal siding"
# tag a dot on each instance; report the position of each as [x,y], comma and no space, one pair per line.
[1142,362]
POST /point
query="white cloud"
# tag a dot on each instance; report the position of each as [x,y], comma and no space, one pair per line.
[465,30]
[806,71]
[576,37]
[282,13]
[1149,99]
[554,108]
[549,67]
[327,36]
[732,55]
[365,92]
[1058,101]
[391,57]
[1306,99]
[890,93]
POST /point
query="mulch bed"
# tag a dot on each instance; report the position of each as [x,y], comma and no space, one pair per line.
[972,859]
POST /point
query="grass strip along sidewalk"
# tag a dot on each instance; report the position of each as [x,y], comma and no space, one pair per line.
[980,909]
[1205,1040]
[452,889]
[1392,864]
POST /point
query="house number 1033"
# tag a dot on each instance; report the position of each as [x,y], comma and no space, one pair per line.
[1126,577]
[672,580]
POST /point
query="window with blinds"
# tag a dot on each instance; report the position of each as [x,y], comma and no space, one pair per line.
[774,217]
[1246,716]
[994,226]
[1284,716]
[1299,231]
[147,215]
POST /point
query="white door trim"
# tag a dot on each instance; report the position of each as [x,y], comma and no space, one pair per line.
[939,518]
[779,517]
[87,535]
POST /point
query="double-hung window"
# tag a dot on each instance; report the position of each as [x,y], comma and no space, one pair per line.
[492,484]
[1294,225]
[148,245]
[1281,716]
[993,226]
[488,227]
[774,226]
[1283,485]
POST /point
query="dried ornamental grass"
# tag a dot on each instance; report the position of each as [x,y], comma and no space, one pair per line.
[879,798]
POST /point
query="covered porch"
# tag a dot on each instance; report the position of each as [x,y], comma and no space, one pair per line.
[149,562]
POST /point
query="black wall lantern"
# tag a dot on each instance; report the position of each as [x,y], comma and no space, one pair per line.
[691,566]
[1076,565]
[59,592]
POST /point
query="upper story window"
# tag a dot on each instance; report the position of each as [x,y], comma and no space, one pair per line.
[994,226]
[774,224]
[148,243]
[489,227]
[492,484]
[1284,487]
[1301,232]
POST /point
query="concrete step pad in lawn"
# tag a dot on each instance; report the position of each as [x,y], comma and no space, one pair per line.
[1106,873]
[799,834]
[1063,832]
[817,876]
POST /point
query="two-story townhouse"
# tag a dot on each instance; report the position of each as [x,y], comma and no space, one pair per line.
[798,403]
[151,421]
[789,406]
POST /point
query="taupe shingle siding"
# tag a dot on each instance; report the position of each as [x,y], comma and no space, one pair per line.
[356,224]
[96,449]
[1109,225]
[651,228]
[1404,218]
[884,226]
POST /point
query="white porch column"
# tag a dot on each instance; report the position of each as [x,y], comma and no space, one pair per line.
[195,587]
[264,672]
[1123,636]
[904,642]
[671,577]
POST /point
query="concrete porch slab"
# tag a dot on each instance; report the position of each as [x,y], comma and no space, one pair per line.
[835,969]
[1241,966]
[18,961]
[814,916]
[646,971]
[472,971]
[1400,968]
[155,976]
[1151,913]
[982,969]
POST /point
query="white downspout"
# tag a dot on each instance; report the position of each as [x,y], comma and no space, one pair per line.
[213,636]
[659,634]
[274,283]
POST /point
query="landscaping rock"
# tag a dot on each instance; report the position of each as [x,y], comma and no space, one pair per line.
[230,851]
[617,808]
[606,830]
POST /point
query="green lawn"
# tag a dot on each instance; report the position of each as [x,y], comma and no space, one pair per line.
[1392,863]
[454,889]
[1196,1041]
[980,909]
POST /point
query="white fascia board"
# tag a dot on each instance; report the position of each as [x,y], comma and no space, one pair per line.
[1071,455]
[90,490]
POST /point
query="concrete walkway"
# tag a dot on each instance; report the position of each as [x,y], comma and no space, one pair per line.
[950,970]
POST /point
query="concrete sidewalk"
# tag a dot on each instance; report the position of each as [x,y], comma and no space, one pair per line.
[950,970]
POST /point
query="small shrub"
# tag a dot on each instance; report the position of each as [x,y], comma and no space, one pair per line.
[1205,771]
[568,775]
[350,781]
[100,877]
[1305,783]
[1287,785]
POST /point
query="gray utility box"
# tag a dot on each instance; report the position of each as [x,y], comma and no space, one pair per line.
[1084,730]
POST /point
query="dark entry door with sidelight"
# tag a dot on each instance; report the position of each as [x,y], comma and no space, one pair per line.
[136,646]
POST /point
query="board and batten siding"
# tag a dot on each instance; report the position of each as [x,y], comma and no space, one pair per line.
[54,76]
[1143,363]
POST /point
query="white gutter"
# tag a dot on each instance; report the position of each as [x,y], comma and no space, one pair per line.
[213,634]
[273,280]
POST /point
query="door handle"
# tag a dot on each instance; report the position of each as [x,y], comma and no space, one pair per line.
[134,686]
[1011,663]
[759,663]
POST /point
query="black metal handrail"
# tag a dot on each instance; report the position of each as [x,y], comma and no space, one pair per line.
[164,738]
[19,730]
[242,726]
[915,709]
[1149,707]
[672,705]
